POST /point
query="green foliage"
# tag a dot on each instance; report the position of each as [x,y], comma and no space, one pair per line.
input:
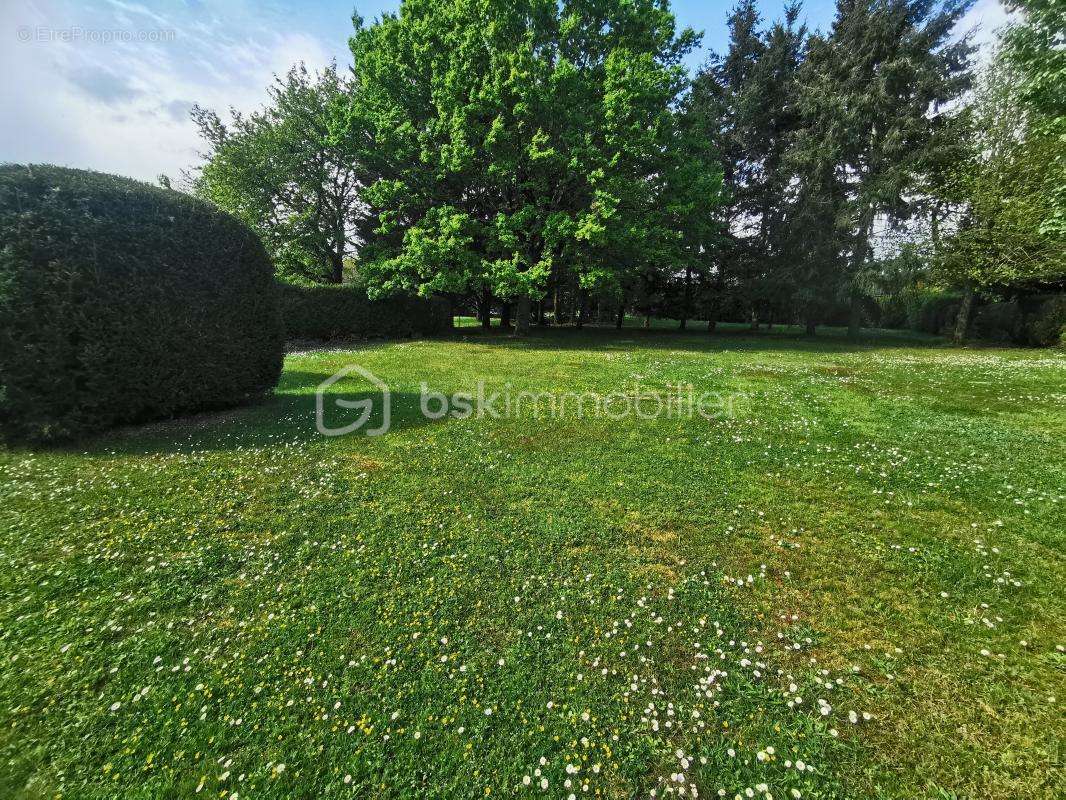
[1046,326]
[120,302]
[500,152]
[1001,323]
[1038,321]
[1036,48]
[897,284]
[1005,192]
[329,312]
[876,105]
[933,311]
[291,172]
[517,144]
[752,92]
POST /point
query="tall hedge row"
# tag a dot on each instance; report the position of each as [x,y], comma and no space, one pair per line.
[331,312]
[1035,321]
[121,302]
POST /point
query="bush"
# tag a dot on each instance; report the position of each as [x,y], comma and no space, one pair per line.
[1034,321]
[892,311]
[1001,323]
[330,312]
[122,302]
[931,311]
[1046,325]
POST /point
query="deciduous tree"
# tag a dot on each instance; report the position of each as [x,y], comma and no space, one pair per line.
[292,172]
[517,142]
[1005,193]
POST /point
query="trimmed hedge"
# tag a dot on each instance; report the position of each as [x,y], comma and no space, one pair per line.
[1046,326]
[332,312]
[1036,321]
[999,323]
[122,302]
[931,311]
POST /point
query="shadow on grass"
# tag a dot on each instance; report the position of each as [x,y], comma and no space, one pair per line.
[739,338]
[285,418]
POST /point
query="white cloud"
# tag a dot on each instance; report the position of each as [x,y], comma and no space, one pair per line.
[122,106]
[986,18]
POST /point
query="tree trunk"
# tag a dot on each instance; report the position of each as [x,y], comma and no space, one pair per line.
[521,320]
[854,314]
[962,321]
[486,309]
[620,317]
[541,319]
[688,298]
[862,249]
[505,316]
[580,322]
[336,267]
[647,321]
[754,320]
[812,327]
[712,323]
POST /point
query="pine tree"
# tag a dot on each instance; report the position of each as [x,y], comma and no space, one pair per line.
[876,106]
[752,90]
[774,118]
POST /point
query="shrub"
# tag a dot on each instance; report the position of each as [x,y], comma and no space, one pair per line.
[122,302]
[1034,321]
[836,312]
[999,322]
[932,311]
[1046,325]
[892,311]
[329,312]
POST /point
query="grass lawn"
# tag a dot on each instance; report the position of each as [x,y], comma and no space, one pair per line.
[853,586]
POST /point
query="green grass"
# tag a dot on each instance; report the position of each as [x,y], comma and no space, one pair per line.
[236,604]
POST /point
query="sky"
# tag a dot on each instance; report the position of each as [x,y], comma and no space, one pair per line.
[108,84]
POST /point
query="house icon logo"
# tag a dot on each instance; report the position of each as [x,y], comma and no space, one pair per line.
[363,407]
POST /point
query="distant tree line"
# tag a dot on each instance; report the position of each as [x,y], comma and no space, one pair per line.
[550,160]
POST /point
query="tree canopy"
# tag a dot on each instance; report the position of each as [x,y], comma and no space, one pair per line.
[292,172]
[556,152]
[517,141]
